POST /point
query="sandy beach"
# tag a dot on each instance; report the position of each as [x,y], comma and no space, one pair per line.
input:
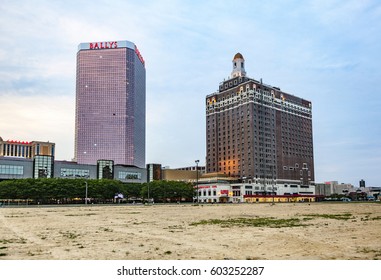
[302,231]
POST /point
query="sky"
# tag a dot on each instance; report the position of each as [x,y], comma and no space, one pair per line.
[327,52]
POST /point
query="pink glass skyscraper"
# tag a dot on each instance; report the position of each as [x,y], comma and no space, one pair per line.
[110,104]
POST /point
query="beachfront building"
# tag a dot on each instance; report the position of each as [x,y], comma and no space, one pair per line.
[256,132]
[110,113]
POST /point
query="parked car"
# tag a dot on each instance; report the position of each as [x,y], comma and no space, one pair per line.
[346,199]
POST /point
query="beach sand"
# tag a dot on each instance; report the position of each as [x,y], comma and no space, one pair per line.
[139,232]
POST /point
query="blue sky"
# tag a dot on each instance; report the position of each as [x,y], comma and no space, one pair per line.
[328,52]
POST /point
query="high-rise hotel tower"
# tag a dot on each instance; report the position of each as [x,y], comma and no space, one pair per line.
[110,104]
[257,132]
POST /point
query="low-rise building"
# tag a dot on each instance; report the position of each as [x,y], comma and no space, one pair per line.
[216,192]
[46,167]
[179,175]
[35,159]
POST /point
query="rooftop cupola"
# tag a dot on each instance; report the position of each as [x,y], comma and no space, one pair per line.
[238,66]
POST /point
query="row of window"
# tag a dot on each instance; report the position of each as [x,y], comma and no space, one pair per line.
[75,173]
[43,169]
[209,193]
[129,175]
[220,108]
[17,150]
[231,83]
[11,170]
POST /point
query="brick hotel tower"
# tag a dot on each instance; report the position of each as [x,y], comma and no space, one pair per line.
[257,132]
[110,104]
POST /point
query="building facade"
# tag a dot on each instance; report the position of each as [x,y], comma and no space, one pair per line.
[154,172]
[224,192]
[24,159]
[46,167]
[110,104]
[201,169]
[25,149]
[257,132]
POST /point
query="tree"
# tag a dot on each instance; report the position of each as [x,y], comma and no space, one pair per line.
[164,191]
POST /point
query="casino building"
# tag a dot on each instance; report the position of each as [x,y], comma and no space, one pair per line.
[23,159]
[259,135]
[110,104]
[36,159]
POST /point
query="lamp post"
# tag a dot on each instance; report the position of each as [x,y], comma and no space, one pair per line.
[86,193]
[272,183]
[197,161]
[148,192]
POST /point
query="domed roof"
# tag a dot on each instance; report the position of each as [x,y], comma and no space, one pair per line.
[238,55]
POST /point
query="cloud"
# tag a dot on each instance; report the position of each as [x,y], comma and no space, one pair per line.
[39,118]
[324,51]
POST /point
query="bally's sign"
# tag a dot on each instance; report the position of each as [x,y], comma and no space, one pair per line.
[103,45]
[112,45]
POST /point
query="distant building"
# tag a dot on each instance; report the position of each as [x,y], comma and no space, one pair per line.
[185,174]
[362,183]
[201,169]
[323,189]
[218,192]
[180,175]
[154,172]
[219,187]
[110,114]
[21,160]
[17,168]
[257,132]
[25,149]
[333,187]
[18,158]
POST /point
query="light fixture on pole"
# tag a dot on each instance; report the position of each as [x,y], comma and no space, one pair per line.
[197,161]
[86,193]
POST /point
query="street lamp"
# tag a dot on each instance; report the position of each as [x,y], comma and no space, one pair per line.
[148,192]
[197,161]
[86,193]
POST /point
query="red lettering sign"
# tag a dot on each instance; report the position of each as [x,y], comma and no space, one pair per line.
[103,45]
[139,55]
